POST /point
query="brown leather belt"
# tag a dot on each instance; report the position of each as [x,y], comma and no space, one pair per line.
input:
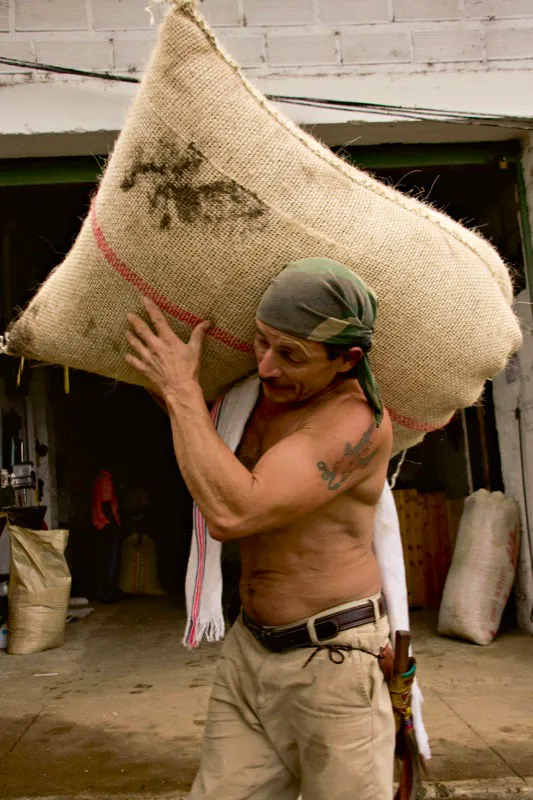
[326,626]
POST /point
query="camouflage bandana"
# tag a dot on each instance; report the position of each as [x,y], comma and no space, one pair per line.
[323,301]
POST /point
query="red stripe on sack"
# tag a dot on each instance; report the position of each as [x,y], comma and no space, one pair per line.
[413,425]
[158,298]
[190,319]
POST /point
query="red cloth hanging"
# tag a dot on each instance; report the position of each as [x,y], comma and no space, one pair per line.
[104,492]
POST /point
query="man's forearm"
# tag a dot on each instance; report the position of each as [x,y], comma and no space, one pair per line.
[218,482]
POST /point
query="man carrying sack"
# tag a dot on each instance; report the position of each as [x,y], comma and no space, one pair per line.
[300,702]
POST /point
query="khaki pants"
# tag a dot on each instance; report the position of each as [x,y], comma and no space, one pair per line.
[276,727]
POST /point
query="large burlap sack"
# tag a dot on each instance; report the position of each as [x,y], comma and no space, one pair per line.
[210,191]
[138,566]
[39,590]
[483,568]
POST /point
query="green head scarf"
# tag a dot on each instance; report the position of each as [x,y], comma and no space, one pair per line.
[323,301]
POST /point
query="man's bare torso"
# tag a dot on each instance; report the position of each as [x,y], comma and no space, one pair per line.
[322,559]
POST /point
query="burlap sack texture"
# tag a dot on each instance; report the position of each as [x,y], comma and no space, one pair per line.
[138,566]
[39,590]
[483,568]
[210,191]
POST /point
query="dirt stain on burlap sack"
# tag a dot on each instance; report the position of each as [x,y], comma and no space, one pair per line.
[90,329]
[175,188]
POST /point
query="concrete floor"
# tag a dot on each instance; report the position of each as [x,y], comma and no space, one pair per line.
[119,710]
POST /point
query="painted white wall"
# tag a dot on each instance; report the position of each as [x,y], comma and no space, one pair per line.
[354,36]
[76,117]
[453,54]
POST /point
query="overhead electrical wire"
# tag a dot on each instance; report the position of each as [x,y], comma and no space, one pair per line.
[411,112]
[84,73]
[379,109]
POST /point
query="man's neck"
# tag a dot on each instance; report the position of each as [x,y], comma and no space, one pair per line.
[269,409]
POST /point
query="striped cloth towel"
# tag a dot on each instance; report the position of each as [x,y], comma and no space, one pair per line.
[203,583]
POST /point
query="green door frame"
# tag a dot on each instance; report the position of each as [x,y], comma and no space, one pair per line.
[525,226]
[87,169]
[41,171]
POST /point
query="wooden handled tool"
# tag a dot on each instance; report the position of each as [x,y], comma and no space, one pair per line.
[406,748]
[401,652]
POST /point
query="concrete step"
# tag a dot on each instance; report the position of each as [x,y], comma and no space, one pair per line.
[493,789]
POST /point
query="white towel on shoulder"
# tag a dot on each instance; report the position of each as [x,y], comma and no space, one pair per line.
[203,585]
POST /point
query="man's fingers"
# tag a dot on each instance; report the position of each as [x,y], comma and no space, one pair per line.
[158,319]
[136,363]
[143,331]
[139,346]
[197,336]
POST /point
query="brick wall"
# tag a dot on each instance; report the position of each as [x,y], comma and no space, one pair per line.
[282,36]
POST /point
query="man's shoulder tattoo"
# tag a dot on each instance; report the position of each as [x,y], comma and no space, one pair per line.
[355,457]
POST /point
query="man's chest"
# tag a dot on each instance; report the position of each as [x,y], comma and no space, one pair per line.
[263,433]
[250,448]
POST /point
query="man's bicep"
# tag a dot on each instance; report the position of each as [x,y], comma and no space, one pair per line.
[307,468]
[349,461]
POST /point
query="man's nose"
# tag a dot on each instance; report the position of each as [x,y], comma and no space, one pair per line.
[267,365]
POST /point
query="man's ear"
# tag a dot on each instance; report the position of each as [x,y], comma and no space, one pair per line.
[351,358]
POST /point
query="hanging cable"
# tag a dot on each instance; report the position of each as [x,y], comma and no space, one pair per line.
[419,113]
[84,73]
[407,112]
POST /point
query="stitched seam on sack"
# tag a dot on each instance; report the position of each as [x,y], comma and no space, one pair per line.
[186,8]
